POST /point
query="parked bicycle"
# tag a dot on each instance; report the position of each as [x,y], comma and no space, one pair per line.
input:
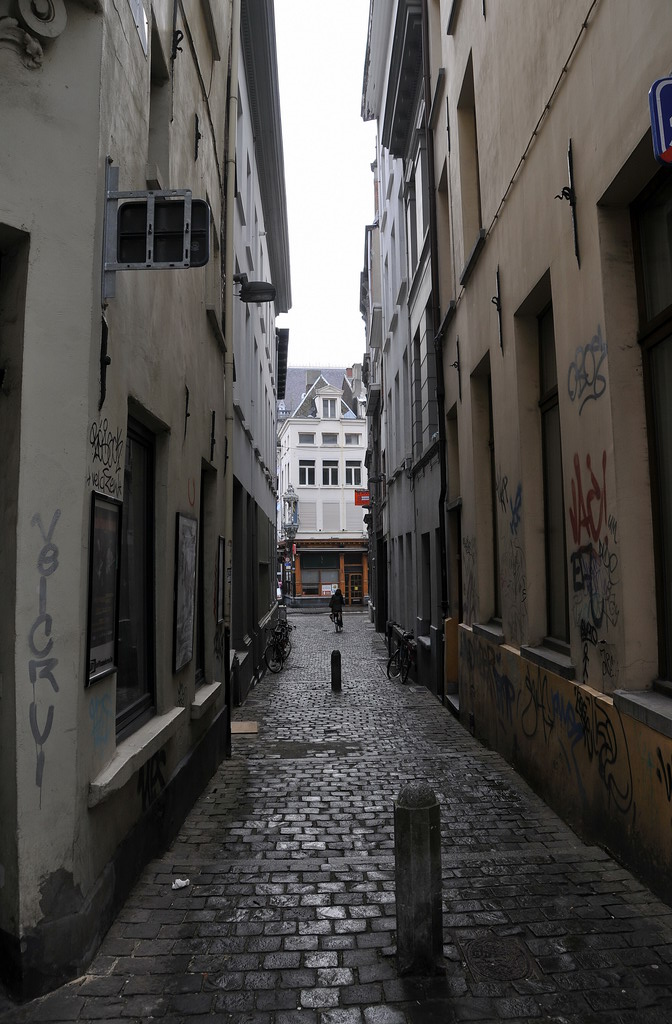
[279,646]
[402,657]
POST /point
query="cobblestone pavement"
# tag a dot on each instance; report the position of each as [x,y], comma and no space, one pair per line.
[289,914]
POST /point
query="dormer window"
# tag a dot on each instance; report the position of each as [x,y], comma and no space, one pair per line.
[329,408]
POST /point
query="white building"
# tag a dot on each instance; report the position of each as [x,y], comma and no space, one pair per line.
[322,440]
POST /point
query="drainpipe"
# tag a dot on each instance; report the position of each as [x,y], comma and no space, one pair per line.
[229,270]
[436,307]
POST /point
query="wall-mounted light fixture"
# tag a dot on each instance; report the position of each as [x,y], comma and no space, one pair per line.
[254,291]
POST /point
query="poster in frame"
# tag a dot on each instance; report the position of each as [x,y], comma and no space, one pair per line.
[220,579]
[104,570]
[186,537]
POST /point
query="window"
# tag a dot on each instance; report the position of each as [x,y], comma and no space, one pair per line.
[353,473]
[557,617]
[160,115]
[330,474]
[652,222]
[329,438]
[135,676]
[329,408]
[306,473]
[470,185]
[306,438]
[353,438]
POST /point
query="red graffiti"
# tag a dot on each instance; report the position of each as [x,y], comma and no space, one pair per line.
[591,513]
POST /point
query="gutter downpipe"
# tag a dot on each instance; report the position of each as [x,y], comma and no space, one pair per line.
[229,270]
[436,307]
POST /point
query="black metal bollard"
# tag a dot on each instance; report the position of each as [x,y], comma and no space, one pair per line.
[417,851]
[336,671]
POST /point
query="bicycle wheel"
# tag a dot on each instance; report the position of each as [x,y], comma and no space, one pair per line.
[405,663]
[393,665]
[273,657]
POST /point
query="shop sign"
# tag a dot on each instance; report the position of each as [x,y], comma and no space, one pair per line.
[660,105]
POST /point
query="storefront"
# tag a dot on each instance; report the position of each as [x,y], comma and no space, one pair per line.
[320,570]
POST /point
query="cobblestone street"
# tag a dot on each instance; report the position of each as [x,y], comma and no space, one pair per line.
[289,912]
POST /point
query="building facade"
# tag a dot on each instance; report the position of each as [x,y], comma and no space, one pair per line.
[260,352]
[412,463]
[552,256]
[115,400]
[322,441]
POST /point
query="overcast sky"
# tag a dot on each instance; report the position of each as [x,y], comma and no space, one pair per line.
[328,155]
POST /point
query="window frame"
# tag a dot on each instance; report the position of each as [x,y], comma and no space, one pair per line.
[307,465]
[356,476]
[330,467]
[130,718]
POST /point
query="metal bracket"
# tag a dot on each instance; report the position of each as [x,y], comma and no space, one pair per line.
[213,441]
[497,303]
[456,366]
[569,193]
[105,361]
[112,197]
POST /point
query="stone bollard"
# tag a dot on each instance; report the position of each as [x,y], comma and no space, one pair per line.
[417,851]
[336,671]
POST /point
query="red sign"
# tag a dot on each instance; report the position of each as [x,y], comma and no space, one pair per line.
[362,498]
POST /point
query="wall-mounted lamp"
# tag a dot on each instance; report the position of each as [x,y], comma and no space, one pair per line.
[254,291]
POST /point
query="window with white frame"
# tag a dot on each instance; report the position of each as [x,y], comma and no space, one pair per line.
[306,438]
[353,473]
[306,473]
[353,438]
[330,474]
[329,438]
[329,408]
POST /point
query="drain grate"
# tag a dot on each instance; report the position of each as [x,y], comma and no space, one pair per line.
[498,958]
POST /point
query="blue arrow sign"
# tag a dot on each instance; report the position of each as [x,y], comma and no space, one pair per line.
[660,105]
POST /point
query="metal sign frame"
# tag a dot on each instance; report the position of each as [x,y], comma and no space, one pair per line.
[110,233]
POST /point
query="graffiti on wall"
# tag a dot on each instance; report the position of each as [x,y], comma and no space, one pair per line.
[42,663]
[484,662]
[150,778]
[512,578]
[594,563]
[585,380]
[587,725]
[469,580]
[107,452]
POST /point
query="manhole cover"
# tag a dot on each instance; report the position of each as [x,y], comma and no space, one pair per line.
[498,958]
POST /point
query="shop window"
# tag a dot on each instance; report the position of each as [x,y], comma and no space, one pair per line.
[135,676]
[652,224]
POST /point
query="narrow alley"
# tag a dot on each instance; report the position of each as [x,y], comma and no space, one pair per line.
[288,914]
